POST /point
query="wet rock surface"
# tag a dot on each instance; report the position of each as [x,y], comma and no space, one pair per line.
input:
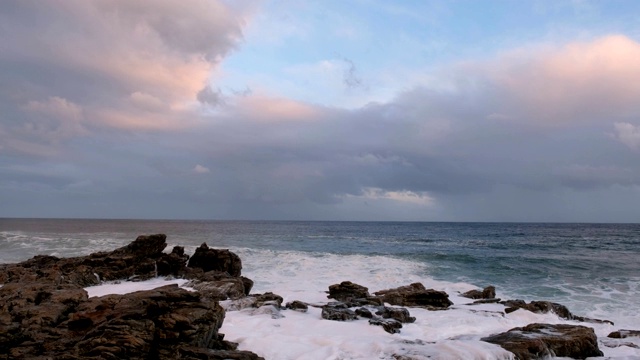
[487,293]
[538,341]
[140,260]
[209,259]
[46,314]
[622,334]
[415,295]
[543,307]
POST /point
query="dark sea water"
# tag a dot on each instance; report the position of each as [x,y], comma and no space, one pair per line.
[594,269]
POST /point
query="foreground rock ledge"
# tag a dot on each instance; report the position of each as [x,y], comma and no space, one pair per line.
[537,341]
[45,312]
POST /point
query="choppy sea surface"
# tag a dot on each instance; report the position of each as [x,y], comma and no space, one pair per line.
[593,269]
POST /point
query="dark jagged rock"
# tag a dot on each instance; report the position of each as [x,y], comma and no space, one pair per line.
[172,263]
[248,284]
[543,307]
[391,326]
[400,314]
[255,301]
[415,295]
[51,322]
[209,259]
[267,298]
[338,312]
[364,312]
[140,260]
[46,314]
[346,291]
[370,301]
[195,353]
[297,306]
[537,341]
[621,334]
[217,285]
[487,293]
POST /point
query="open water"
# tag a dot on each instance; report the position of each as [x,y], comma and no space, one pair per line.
[593,269]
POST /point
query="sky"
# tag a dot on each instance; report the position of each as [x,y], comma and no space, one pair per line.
[414,110]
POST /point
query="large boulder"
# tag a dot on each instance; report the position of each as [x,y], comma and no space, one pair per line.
[415,295]
[346,291]
[487,293]
[209,259]
[538,341]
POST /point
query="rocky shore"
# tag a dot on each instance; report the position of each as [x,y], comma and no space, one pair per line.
[45,313]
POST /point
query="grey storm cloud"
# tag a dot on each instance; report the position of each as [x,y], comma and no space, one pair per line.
[108,111]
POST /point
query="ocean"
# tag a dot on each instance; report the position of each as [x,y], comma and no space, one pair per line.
[593,269]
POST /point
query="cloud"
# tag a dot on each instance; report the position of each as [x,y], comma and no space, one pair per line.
[199,169]
[514,137]
[579,81]
[402,196]
[628,134]
[125,66]
[46,125]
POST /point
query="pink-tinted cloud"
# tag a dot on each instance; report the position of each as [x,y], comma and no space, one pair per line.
[578,82]
[273,109]
[121,61]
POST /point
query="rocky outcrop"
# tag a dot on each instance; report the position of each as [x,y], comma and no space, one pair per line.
[209,259]
[297,306]
[45,312]
[346,291]
[142,259]
[415,295]
[338,311]
[389,325]
[217,285]
[411,295]
[538,341]
[622,334]
[543,307]
[400,314]
[60,322]
[487,293]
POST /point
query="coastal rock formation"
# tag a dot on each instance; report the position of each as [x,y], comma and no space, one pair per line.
[391,326]
[346,291]
[537,341]
[415,295]
[400,314]
[142,259]
[297,306]
[217,260]
[338,311]
[487,293]
[217,285]
[46,314]
[622,334]
[543,307]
